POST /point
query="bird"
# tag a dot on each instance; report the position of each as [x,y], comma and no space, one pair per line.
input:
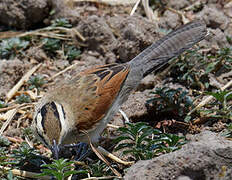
[88,101]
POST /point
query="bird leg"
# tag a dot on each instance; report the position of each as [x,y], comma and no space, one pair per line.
[82,150]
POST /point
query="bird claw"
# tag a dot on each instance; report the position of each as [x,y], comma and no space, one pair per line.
[82,150]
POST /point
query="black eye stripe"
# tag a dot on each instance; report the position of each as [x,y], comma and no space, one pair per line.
[63,111]
[56,113]
[36,118]
[42,138]
[43,112]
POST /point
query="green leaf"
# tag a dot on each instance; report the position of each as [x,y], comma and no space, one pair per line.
[141,138]
[4,141]
[123,145]
[218,95]
[62,22]
[121,138]
[211,67]
[2,104]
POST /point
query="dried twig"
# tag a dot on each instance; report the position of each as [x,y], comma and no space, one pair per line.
[113,157]
[111,2]
[181,14]
[63,71]
[52,32]
[196,3]
[135,7]
[208,98]
[100,156]
[11,115]
[25,78]
[8,108]
[113,126]
[25,174]
[149,12]
[14,139]
[126,119]
[9,34]
[96,178]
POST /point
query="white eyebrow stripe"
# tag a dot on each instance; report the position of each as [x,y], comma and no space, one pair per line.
[39,119]
[61,116]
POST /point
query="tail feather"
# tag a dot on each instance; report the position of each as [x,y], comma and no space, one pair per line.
[171,45]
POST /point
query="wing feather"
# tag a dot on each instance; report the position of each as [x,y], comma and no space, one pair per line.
[108,83]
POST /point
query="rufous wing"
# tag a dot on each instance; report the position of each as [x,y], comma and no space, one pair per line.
[107,83]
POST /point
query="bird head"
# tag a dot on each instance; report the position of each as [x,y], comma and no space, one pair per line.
[49,125]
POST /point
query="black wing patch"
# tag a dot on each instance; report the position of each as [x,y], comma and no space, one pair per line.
[112,69]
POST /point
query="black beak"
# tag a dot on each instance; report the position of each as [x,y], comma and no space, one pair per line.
[55,150]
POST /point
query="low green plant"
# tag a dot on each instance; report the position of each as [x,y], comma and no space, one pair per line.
[4,141]
[51,45]
[227,132]
[100,169]
[173,101]
[36,82]
[171,142]
[229,39]
[138,140]
[23,99]
[62,22]
[189,70]
[9,176]
[193,67]
[25,155]
[60,169]
[220,108]
[10,47]
[222,59]
[143,142]
[72,52]
[4,156]
[4,152]
[2,104]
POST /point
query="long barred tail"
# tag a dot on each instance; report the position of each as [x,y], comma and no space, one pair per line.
[171,45]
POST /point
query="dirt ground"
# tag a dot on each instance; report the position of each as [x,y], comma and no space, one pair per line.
[110,35]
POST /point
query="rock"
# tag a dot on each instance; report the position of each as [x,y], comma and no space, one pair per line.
[228,31]
[217,39]
[183,178]
[148,82]
[213,17]
[228,9]
[134,108]
[10,73]
[206,156]
[99,36]
[178,4]
[86,61]
[135,105]
[121,37]
[23,14]
[64,9]
[135,33]
[169,20]
[37,53]
[110,57]
[61,64]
